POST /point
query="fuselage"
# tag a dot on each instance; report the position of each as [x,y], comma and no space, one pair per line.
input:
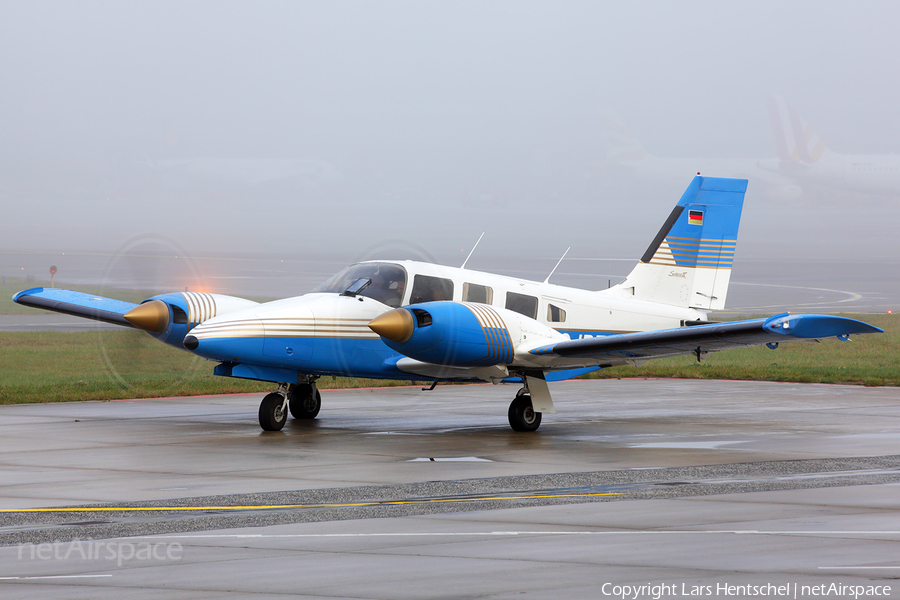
[325,332]
[867,173]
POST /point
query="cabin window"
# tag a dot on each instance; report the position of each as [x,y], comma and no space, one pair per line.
[555,314]
[429,289]
[388,282]
[522,304]
[477,293]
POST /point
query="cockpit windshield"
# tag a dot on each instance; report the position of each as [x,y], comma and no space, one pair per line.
[388,282]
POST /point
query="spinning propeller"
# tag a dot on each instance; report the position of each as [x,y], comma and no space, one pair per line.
[144,266]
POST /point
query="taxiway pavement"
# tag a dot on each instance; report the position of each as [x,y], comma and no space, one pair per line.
[399,493]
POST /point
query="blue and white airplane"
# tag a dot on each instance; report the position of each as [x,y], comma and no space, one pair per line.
[419,321]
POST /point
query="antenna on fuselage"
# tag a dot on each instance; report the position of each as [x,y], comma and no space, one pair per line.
[557,264]
[473,250]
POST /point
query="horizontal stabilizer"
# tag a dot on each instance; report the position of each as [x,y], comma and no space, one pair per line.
[77,304]
[700,339]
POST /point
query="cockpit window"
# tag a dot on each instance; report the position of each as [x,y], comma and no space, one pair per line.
[388,282]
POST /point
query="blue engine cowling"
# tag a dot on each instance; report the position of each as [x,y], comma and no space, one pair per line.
[448,333]
[174,314]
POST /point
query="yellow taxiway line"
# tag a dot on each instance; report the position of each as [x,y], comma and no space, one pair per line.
[275,506]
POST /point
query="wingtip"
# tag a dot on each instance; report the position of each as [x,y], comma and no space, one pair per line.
[817,326]
[27,292]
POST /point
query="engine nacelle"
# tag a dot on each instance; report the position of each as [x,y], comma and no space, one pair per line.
[169,317]
[461,334]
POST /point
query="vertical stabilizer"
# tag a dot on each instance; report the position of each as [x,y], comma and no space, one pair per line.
[688,264]
[795,139]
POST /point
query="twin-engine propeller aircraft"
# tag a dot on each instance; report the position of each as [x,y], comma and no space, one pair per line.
[420,321]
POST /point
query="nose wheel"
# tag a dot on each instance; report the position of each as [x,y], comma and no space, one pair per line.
[522,416]
[302,400]
[273,411]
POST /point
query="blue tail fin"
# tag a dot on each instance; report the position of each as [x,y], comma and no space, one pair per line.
[688,263]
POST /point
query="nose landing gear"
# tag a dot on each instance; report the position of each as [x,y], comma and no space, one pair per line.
[273,409]
[302,400]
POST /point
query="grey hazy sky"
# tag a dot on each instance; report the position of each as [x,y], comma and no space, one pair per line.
[289,78]
[434,120]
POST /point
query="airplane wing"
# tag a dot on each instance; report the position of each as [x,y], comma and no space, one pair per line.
[701,339]
[78,304]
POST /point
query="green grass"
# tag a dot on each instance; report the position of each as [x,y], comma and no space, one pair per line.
[44,366]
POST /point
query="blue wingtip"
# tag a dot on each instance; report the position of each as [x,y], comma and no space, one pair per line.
[30,292]
[817,326]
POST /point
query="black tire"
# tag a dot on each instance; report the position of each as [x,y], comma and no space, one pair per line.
[272,415]
[304,401]
[522,416]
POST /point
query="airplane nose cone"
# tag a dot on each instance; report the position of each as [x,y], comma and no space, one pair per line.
[190,342]
[395,325]
[150,316]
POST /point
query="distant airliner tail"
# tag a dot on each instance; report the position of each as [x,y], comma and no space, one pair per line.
[688,264]
[795,139]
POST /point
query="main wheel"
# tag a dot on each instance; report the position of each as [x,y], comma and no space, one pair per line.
[304,401]
[272,415]
[522,416]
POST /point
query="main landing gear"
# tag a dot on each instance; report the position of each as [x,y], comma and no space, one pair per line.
[302,400]
[522,416]
[531,402]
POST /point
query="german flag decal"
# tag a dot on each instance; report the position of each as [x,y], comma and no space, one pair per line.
[695,217]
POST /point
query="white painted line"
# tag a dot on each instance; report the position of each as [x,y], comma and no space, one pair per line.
[858,567]
[513,533]
[53,577]
[459,459]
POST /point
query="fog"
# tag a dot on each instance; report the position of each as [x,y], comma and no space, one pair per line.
[329,131]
